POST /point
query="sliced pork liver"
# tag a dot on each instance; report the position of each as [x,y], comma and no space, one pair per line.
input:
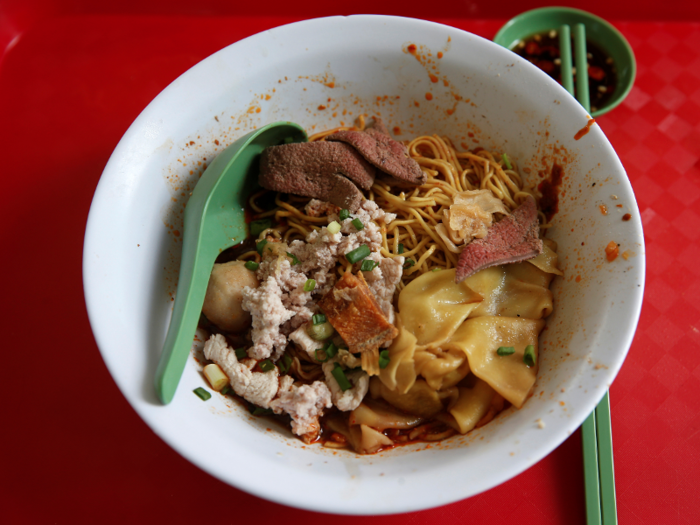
[382,151]
[513,239]
[317,169]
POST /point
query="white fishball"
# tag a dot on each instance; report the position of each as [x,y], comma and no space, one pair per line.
[222,304]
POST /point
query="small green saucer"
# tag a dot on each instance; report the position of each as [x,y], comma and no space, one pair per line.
[602,33]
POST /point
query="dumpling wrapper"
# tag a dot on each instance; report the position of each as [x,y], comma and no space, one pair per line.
[472,405]
[548,260]
[433,306]
[512,290]
[400,373]
[480,337]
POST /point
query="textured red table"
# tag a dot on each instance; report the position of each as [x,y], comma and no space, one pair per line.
[75,452]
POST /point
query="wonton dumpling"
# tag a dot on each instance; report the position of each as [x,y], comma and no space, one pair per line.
[480,337]
[433,306]
[441,368]
[420,400]
[222,303]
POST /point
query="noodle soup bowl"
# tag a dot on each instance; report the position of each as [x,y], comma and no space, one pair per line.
[421,78]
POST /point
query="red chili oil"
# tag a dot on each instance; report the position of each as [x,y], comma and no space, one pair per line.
[543,51]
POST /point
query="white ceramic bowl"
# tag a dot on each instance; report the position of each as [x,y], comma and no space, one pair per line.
[318,73]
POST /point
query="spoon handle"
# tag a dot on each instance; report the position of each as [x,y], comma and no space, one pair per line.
[195,268]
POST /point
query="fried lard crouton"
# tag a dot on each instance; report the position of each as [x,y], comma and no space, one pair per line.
[354,312]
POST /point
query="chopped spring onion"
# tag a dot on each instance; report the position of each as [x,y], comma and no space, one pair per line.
[333,227]
[318,319]
[436,269]
[252,265]
[324,354]
[216,377]
[368,265]
[529,357]
[266,365]
[408,264]
[241,353]
[505,350]
[284,363]
[506,161]
[384,358]
[226,390]
[259,247]
[204,395]
[339,375]
[320,332]
[330,349]
[344,214]
[294,258]
[358,254]
[401,248]
[357,223]
[260,411]
[257,227]
[309,285]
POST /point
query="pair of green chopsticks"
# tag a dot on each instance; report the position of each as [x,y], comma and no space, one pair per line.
[598,468]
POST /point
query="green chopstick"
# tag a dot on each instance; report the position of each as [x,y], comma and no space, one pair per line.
[596,431]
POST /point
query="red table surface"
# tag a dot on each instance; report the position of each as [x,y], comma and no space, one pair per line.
[73,449]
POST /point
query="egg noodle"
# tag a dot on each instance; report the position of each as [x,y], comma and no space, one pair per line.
[419,209]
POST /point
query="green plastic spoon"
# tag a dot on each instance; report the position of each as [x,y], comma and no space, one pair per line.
[214,221]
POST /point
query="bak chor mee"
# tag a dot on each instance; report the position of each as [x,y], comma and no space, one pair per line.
[388,293]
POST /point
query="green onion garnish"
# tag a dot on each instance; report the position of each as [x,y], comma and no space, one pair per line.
[529,357]
[260,411]
[241,353]
[408,263]
[320,332]
[266,365]
[357,223]
[257,227]
[318,319]
[284,363]
[436,269]
[204,395]
[505,350]
[320,355]
[339,375]
[400,248]
[294,258]
[506,161]
[330,349]
[368,265]
[225,390]
[358,254]
[344,214]
[309,285]
[384,358]
[259,247]
[252,265]
[333,227]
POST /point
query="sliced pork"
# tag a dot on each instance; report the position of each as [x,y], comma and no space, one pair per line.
[513,239]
